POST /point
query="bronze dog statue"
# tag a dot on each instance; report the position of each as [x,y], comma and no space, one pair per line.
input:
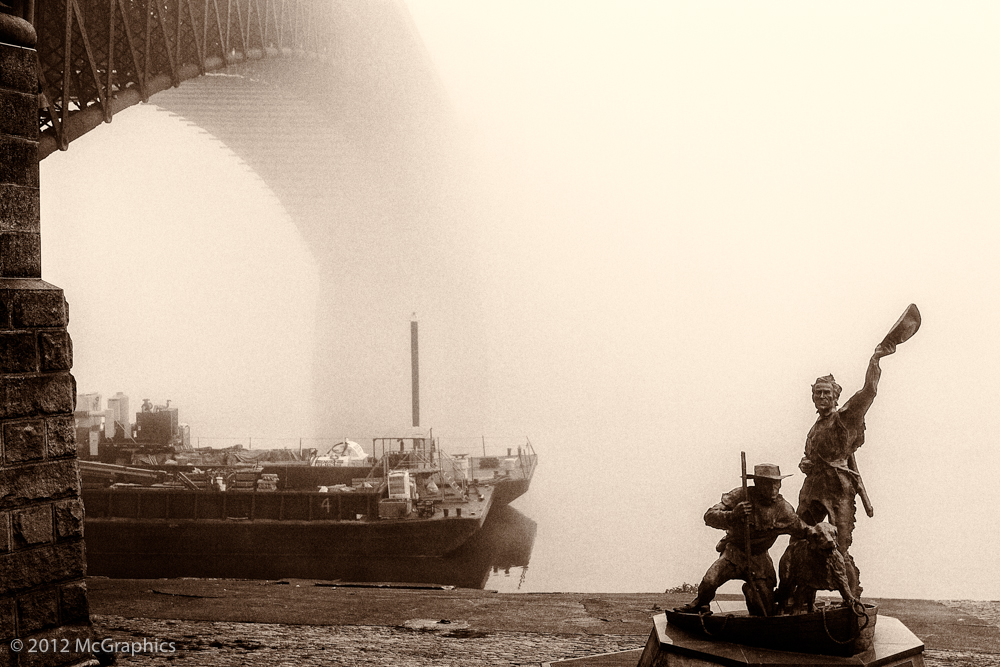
[809,565]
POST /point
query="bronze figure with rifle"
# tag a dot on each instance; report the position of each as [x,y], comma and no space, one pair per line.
[753,518]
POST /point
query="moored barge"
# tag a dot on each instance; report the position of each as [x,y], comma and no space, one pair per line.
[415,503]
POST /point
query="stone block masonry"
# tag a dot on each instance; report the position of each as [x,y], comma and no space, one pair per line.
[43,597]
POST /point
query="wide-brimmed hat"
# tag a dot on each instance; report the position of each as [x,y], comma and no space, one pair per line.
[767,471]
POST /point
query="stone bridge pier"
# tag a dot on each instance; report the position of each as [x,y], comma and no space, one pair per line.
[43,597]
[368,163]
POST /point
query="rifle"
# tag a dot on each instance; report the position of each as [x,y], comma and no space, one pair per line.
[751,580]
[852,464]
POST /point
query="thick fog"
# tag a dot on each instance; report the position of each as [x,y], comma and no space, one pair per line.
[702,207]
[684,213]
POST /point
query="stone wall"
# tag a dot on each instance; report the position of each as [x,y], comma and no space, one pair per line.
[42,561]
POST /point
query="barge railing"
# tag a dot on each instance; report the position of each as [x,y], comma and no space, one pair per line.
[183,504]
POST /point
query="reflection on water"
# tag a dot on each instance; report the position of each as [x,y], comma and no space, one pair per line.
[502,547]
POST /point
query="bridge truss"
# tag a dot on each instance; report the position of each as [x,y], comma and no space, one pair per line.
[97,57]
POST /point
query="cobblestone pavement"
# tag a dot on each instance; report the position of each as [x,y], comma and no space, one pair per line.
[957,658]
[218,644]
[225,644]
[986,611]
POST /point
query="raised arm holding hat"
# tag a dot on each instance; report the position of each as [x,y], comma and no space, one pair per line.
[832,479]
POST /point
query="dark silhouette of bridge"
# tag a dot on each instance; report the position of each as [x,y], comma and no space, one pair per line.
[337,107]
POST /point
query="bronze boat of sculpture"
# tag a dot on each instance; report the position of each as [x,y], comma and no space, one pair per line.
[832,630]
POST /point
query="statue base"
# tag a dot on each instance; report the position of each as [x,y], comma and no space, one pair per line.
[894,646]
[669,646]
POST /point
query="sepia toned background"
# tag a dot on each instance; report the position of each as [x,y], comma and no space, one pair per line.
[680,216]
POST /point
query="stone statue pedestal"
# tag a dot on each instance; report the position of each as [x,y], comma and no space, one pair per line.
[894,646]
[669,646]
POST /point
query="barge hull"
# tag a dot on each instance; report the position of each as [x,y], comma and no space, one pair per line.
[135,548]
[505,540]
[284,534]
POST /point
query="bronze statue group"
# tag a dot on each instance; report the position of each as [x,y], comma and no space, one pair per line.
[821,528]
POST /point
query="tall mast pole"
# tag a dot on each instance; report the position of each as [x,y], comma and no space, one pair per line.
[415,371]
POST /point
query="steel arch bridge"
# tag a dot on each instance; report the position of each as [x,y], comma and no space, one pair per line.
[337,107]
[97,57]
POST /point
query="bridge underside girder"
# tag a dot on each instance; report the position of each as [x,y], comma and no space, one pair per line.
[97,57]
